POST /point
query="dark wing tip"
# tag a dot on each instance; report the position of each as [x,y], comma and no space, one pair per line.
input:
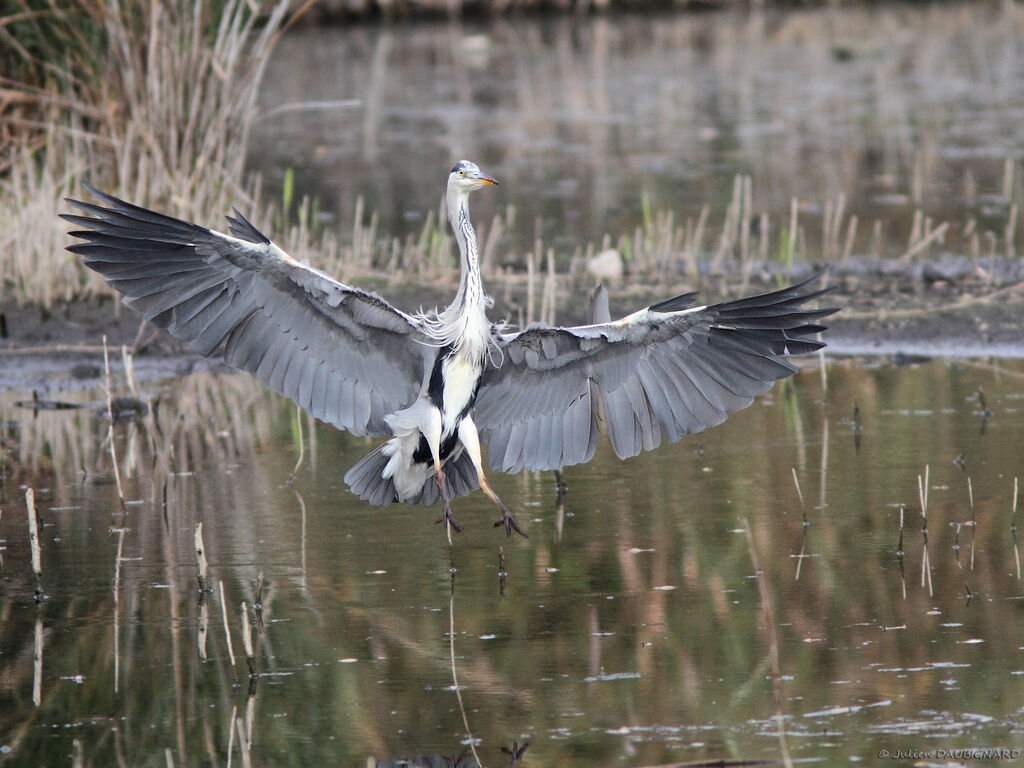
[675,304]
[242,228]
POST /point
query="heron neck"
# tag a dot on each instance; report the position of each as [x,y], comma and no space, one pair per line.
[471,292]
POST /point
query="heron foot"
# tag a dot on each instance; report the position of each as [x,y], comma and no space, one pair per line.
[448,519]
[510,524]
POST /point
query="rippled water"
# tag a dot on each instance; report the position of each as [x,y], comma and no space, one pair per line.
[629,629]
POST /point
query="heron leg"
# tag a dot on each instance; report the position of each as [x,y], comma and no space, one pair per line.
[470,439]
[433,435]
[446,516]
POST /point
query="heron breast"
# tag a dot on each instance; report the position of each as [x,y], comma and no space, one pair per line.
[461,378]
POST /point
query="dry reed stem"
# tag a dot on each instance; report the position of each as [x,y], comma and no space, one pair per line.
[201,558]
[227,629]
[250,655]
[202,627]
[110,424]
[244,746]
[117,608]
[920,243]
[922,492]
[37,663]
[33,539]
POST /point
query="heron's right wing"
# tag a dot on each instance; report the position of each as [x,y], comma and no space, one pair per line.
[345,355]
[667,370]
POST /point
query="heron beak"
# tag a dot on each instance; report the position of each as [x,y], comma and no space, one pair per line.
[485,179]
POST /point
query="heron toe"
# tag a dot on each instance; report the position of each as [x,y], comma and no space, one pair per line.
[510,524]
[448,519]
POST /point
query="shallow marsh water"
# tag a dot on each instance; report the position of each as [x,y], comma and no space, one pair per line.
[629,629]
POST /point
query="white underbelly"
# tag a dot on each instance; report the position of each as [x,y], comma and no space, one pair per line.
[460,380]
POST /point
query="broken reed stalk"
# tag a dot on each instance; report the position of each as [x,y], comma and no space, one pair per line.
[118,559]
[203,628]
[110,428]
[974,518]
[129,369]
[37,662]
[257,603]
[244,747]
[899,556]
[1013,527]
[250,655]
[227,629]
[204,583]
[922,492]
[926,563]
[33,540]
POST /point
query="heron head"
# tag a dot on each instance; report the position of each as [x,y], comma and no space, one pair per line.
[466,177]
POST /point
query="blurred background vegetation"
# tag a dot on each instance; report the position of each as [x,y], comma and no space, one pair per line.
[805,133]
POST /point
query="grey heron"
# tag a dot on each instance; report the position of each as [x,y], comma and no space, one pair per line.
[441,384]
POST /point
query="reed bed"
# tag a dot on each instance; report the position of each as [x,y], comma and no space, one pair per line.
[152,102]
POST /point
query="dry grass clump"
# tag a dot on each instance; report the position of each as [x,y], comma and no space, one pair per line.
[150,100]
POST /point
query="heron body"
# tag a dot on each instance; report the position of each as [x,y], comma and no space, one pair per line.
[439,384]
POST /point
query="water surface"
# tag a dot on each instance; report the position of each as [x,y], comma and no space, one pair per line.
[884,112]
[629,629]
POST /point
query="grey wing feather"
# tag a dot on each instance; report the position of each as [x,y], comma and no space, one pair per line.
[346,356]
[668,370]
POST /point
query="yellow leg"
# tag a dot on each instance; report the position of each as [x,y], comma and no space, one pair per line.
[470,439]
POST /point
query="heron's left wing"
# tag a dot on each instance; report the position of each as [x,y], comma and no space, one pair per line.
[345,355]
[669,369]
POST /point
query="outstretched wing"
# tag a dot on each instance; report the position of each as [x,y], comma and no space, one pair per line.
[346,356]
[669,369]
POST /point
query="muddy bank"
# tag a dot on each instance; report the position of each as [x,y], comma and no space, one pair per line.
[956,310]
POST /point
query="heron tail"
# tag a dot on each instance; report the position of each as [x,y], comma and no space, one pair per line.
[366,479]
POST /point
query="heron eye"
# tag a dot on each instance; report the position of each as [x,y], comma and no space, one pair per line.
[462,173]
